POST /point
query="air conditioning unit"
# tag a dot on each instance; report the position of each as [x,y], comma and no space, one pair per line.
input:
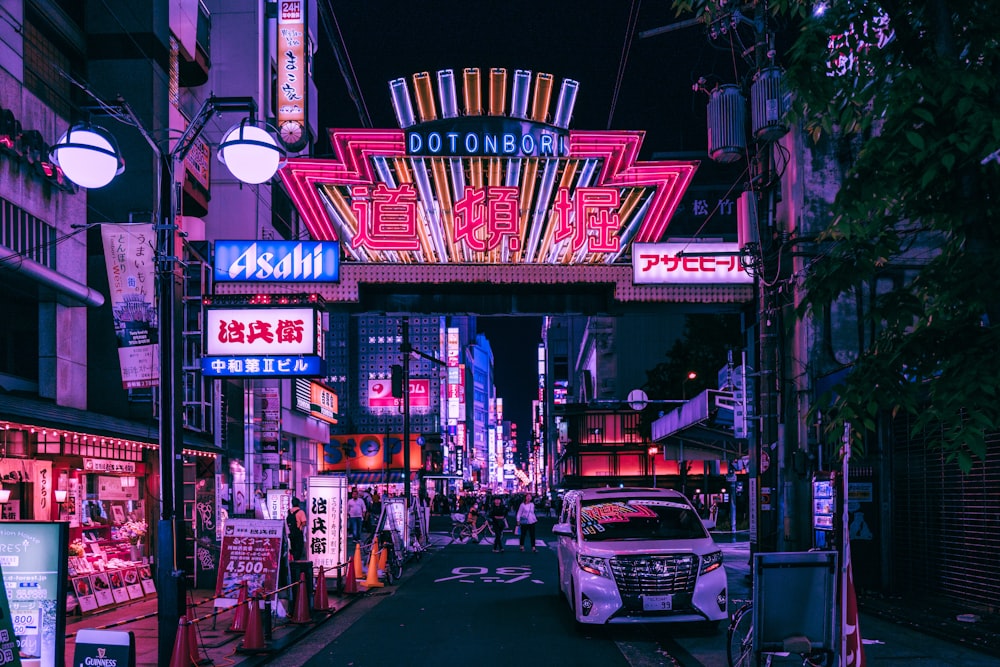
[727,138]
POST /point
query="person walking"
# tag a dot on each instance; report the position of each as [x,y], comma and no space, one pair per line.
[498,515]
[356,509]
[526,521]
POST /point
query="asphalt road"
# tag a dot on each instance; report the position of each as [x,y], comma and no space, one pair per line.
[464,604]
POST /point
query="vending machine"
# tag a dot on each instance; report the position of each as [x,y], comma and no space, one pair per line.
[825,517]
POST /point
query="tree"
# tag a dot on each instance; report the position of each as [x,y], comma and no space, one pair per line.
[910,90]
[704,349]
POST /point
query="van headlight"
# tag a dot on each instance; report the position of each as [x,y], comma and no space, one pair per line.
[593,565]
[712,561]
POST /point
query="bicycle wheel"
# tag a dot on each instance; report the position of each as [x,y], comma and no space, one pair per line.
[739,644]
[460,533]
[395,563]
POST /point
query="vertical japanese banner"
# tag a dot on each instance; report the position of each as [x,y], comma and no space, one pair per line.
[129,257]
[251,553]
[326,531]
[291,93]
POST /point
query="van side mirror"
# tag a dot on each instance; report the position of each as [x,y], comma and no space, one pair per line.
[562,529]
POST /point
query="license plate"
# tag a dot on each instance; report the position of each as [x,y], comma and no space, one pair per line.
[657,602]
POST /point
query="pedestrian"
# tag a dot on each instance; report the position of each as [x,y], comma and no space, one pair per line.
[526,521]
[356,510]
[498,515]
[296,521]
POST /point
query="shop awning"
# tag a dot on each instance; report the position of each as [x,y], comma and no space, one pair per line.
[378,477]
[701,429]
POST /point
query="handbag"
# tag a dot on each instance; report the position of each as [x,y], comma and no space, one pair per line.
[517,529]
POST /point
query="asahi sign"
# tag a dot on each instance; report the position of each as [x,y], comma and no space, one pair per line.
[277,261]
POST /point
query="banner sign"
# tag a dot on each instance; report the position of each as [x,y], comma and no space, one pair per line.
[110,465]
[688,263]
[263,367]
[326,532]
[251,554]
[380,394]
[277,261]
[316,400]
[292,73]
[34,565]
[129,257]
[368,452]
[261,331]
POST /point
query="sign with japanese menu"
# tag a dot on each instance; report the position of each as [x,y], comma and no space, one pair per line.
[33,562]
[129,257]
[326,532]
[251,554]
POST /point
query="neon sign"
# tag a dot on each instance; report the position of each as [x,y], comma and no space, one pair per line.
[503,187]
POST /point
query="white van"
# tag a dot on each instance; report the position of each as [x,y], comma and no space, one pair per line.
[634,555]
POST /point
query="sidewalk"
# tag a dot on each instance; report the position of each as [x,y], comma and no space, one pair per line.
[215,643]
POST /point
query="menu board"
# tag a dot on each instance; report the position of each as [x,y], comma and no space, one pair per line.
[251,554]
[326,534]
[32,557]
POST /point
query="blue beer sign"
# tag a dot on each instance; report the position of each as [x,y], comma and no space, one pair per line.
[277,261]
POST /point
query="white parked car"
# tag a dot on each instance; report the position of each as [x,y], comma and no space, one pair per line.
[637,555]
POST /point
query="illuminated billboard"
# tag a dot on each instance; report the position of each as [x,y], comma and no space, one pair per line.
[276,261]
[688,263]
[501,181]
[269,342]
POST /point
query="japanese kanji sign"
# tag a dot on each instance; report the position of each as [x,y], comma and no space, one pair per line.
[251,551]
[693,263]
[129,257]
[326,543]
[260,331]
[292,74]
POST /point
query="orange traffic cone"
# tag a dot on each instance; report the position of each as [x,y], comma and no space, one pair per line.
[383,558]
[350,581]
[302,615]
[253,640]
[239,623]
[181,656]
[358,569]
[321,602]
[371,581]
[192,631]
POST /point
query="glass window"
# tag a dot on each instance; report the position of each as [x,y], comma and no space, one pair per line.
[639,519]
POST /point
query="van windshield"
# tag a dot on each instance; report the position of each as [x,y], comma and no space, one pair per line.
[639,519]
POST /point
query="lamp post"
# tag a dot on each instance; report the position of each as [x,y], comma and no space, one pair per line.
[690,376]
[653,451]
[90,158]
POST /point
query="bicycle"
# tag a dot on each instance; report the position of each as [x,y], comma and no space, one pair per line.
[393,569]
[739,644]
[464,531]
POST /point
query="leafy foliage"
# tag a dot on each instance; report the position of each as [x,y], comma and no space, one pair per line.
[914,92]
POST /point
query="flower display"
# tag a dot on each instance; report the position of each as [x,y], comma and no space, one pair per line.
[76,548]
[133,531]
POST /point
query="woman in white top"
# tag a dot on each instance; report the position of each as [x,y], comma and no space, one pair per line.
[526,520]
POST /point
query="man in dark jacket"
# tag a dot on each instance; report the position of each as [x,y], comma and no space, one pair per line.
[498,515]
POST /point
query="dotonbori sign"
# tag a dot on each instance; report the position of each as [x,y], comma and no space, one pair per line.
[277,261]
[502,180]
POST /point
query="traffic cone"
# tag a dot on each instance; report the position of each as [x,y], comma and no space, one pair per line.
[192,631]
[253,639]
[350,581]
[181,656]
[320,600]
[383,557]
[239,623]
[371,581]
[302,614]
[357,560]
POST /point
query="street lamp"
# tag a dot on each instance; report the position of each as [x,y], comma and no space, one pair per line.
[90,158]
[653,451]
[690,376]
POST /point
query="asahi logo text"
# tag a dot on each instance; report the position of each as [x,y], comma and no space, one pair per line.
[278,261]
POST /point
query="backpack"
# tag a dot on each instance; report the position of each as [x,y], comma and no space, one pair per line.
[293,521]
